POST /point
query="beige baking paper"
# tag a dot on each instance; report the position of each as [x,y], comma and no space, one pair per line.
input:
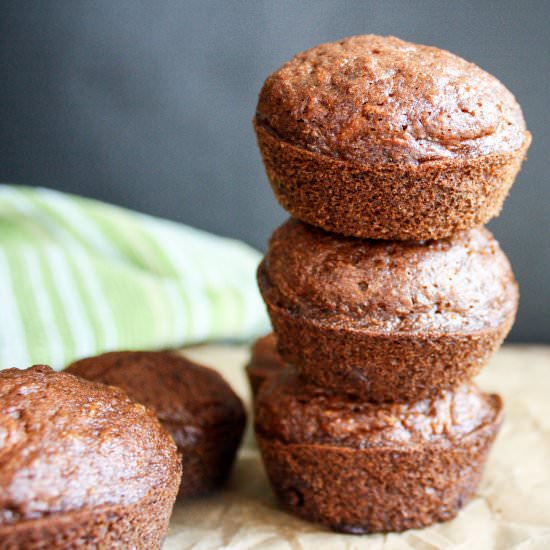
[512,509]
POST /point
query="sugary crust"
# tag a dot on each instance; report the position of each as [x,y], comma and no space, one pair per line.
[81,465]
[142,526]
[461,284]
[264,361]
[376,489]
[430,200]
[194,403]
[376,99]
[177,389]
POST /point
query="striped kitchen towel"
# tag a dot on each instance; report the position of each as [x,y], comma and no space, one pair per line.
[79,277]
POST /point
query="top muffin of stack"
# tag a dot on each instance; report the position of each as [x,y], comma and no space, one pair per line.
[380,138]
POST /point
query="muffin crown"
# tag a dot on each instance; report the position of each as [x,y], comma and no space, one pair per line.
[456,284]
[374,99]
[293,411]
[177,389]
[67,444]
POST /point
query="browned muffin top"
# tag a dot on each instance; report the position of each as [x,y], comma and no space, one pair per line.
[291,411]
[178,390]
[463,283]
[67,444]
[379,99]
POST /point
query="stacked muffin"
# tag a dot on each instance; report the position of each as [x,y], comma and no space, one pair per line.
[385,293]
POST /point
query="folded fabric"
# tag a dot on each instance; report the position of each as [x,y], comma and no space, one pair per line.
[79,277]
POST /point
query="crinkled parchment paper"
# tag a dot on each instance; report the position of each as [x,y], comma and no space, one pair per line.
[512,509]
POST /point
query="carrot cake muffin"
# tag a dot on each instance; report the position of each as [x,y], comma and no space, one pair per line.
[81,465]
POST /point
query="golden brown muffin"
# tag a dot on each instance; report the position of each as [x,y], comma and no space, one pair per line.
[194,403]
[264,362]
[81,466]
[380,138]
[391,321]
[358,467]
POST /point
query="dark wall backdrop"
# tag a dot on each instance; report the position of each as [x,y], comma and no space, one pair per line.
[149,104]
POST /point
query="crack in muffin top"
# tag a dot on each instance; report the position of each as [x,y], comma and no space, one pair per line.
[374,99]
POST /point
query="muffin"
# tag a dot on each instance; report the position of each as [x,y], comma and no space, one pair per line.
[376,137]
[264,362]
[194,403]
[391,321]
[82,466]
[358,467]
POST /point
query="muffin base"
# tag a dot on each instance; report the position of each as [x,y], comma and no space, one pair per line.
[264,362]
[377,489]
[142,525]
[430,200]
[256,377]
[207,463]
[383,367]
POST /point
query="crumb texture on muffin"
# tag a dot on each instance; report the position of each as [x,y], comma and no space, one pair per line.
[374,99]
[363,468]
[464,283]
[69,445]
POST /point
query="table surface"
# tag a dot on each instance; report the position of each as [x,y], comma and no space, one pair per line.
[511,509]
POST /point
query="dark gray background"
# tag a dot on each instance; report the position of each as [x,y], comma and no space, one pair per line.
[149,104]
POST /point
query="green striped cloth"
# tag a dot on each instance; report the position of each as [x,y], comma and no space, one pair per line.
[79,277]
